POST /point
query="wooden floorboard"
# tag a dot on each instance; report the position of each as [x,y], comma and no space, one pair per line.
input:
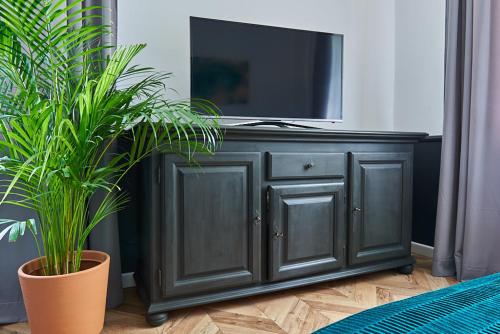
[295,311]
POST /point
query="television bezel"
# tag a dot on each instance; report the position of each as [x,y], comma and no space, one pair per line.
[275,119]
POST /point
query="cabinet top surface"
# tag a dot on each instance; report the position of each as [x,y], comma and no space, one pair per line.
[272,133]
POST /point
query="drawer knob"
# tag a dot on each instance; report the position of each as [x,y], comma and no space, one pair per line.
[309,165]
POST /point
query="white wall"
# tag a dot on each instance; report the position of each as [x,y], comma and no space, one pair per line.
[377,49]
[419,67]
[370,47]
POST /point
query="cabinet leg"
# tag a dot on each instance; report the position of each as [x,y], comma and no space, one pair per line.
[156,319]
[407,270]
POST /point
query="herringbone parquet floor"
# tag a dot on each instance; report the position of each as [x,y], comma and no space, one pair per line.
[301,310]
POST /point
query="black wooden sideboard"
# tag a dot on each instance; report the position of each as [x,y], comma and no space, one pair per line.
[273,209]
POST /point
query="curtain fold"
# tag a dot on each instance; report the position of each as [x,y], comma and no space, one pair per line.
[105,236]
[468,218]
[13,255]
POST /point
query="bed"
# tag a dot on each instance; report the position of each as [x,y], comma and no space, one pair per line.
[469,307]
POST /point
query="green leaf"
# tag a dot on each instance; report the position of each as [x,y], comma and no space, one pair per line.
[6,230]
[7,221]
[14,232]
[22,227]
[32,226]
[17,228]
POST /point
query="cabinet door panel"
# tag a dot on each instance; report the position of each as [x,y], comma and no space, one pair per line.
[211,239]
[380,206]
[307,229]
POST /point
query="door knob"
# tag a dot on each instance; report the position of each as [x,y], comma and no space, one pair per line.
[309,165]
[356,210]
[278,235]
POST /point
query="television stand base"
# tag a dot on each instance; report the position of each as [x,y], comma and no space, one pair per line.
[279,124]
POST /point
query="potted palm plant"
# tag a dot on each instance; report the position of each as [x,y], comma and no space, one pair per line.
[63,107]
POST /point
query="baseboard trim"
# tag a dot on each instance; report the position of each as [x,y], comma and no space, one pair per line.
[128,280]
[422,249]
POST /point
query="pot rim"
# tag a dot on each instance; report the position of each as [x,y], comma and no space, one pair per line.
[22,274]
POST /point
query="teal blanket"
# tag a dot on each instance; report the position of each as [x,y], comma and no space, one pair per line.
[469,307]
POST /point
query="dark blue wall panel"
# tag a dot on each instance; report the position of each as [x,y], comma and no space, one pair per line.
[427,161]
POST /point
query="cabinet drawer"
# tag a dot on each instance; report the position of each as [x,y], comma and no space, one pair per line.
[305,165]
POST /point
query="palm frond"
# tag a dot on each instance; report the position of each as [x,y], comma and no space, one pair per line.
[63,107]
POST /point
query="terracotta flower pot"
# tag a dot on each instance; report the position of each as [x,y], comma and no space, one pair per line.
[72,303]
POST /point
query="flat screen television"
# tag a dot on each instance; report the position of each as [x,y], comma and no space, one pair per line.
[266,73]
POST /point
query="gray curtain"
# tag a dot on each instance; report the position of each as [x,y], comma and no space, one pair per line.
[105,237]
[12,256]
[467,242]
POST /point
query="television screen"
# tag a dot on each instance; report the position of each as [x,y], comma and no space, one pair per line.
[261,72]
